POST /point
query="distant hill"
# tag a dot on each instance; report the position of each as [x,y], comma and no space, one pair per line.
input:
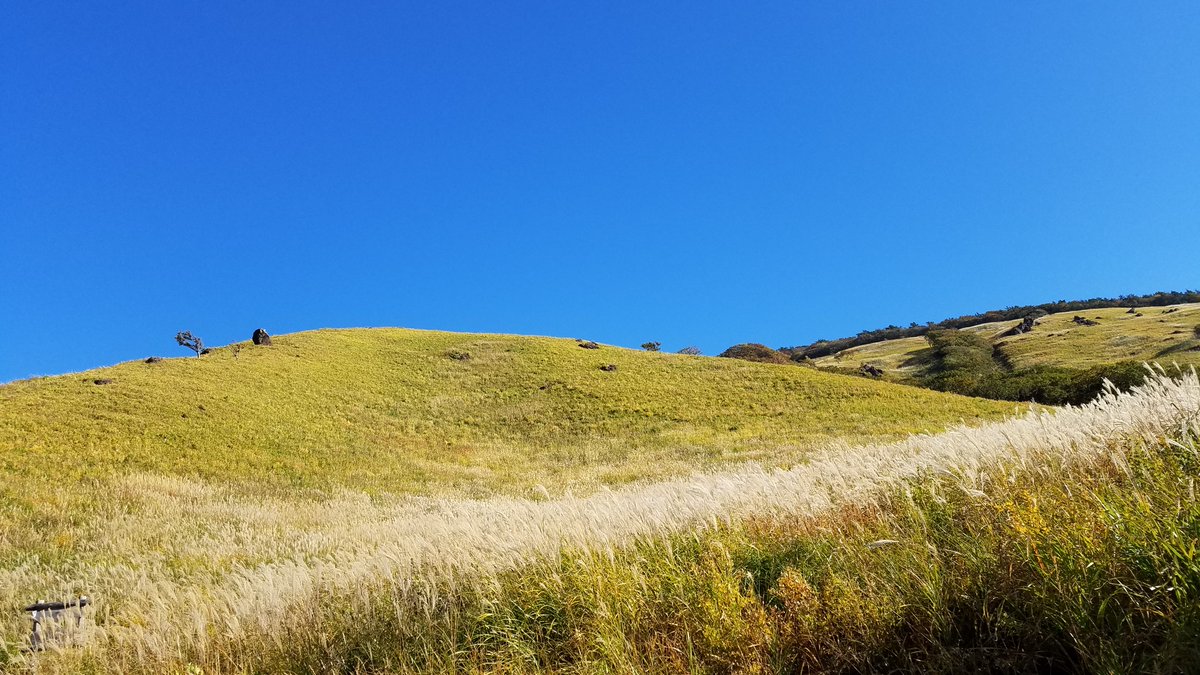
[829,347]
[428,412]
[1062,359]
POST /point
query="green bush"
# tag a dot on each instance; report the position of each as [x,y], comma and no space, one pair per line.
[961,361]
[965,363]
[752,351]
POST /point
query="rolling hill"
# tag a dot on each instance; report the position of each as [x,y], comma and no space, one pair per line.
[934,553]
[1151,334]
[388,500]
[417,412]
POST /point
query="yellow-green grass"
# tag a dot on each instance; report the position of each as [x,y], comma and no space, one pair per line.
[391,410]
[1158,335]
[189,576]
[897,356]
[187,473]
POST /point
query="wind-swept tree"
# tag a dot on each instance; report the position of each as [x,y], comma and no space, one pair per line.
[192,342]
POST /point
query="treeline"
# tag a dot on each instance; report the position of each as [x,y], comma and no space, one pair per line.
[827,347]
[966,363]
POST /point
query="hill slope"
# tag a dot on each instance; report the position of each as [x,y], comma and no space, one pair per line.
[424,412]
[1163,334]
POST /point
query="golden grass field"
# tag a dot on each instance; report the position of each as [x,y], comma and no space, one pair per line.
[205,467]
[194,575]
[1160,334]
[390,410]
[372,501]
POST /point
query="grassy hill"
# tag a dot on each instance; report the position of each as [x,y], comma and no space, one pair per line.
[1060,541]
[1163,334]
[391,410]
[179,479]
[311,507]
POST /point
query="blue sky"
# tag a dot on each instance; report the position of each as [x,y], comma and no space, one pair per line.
[691,173]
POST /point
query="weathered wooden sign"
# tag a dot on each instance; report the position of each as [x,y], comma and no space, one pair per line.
[57,624]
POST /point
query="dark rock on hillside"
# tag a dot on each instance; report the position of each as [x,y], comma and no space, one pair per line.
[1082,321]
[870,370]
[609,367]
[1132,310]
[589,345]
[102,381]
[1025,326]
[260,337]
[153,359]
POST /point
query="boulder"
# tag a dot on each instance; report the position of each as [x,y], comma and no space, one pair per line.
[1025,326]
[609,367]
[870,370]
[260,337]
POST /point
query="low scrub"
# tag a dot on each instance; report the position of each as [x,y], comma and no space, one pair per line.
[751,351]
[966,363]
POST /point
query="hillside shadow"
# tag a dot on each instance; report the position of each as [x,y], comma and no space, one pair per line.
[920,360]
[1182,347]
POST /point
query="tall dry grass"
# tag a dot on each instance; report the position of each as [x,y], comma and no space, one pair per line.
[190,573]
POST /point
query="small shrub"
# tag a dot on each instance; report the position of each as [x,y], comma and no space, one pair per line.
[458,355]
[588,344]
[651,346]
[192,342]
[752,351]
[690,350]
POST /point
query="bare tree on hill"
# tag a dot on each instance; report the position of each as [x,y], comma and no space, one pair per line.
[192,342]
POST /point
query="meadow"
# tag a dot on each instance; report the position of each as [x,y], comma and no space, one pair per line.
[184,471]
[990,542]
[1149,334]
[421,412]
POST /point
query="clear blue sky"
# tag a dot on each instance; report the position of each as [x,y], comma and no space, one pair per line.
[689,172]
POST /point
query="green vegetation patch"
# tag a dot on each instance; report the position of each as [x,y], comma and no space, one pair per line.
[752,351]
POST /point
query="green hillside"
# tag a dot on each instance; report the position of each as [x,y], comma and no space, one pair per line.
[1163,334]
[392,410]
